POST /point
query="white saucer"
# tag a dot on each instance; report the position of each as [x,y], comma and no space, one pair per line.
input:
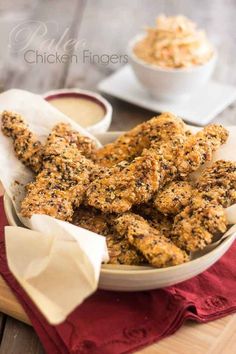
[200,109]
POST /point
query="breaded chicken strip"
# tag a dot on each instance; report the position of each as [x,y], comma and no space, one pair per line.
[156,248]
[195,227]
[184,154]
[173,197]
[198,148]
[27,147]
[198,223]
[40,199]
[118,190]
[92,220]
[120,187]
[134,184]
[166,154]
[62,183]
[122,252]
[218,183]
[85,145]
[119,249]
[158,130]
[159,221]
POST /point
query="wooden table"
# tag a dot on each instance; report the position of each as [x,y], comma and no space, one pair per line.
[104,27]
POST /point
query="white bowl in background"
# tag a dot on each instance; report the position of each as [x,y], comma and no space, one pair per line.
[138,278]
[100,127]
[170,84]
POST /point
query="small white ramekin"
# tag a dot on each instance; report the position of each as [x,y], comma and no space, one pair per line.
[170,84]
[100,127]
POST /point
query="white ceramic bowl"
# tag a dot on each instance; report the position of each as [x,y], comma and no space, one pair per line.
[133,278]
[170,84]
[100,127]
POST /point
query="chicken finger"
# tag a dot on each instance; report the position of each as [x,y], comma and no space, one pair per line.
[62,183]
[156,248]
[132,185]
[131,144]
[198,148]
[173,197]
[27,147]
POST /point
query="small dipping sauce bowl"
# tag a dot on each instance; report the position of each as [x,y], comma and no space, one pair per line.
[89,109]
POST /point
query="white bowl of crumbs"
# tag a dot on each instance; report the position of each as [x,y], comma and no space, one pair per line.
[173,60]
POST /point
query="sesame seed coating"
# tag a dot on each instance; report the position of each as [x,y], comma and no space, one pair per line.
[119,249]
[65,174]
[204,218]
[195,227]
[157,130]
[159,221]
[218,182]
[28,148]
[134,184]
[173,197]
[155,247]
[198,148]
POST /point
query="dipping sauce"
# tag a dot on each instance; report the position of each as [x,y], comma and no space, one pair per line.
[84,111]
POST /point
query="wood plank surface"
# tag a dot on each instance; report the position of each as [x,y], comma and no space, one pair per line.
[18,338]
[197,339]
[2,325]
[9,304]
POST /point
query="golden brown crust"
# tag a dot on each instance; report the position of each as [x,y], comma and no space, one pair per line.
[92,220]
[195,227]
[173,197]
[131,144]
[65,174]
[85,145]
[119,249]
[218,183]
[198,148]
[27,147]
[132,185]
[119,190]
[156,248]
[159,221]
[50,202]
[122,252]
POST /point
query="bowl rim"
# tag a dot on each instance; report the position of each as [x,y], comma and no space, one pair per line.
[90,95]
[157,68]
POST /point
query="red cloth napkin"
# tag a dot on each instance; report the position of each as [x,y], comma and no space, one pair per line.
[115,322]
